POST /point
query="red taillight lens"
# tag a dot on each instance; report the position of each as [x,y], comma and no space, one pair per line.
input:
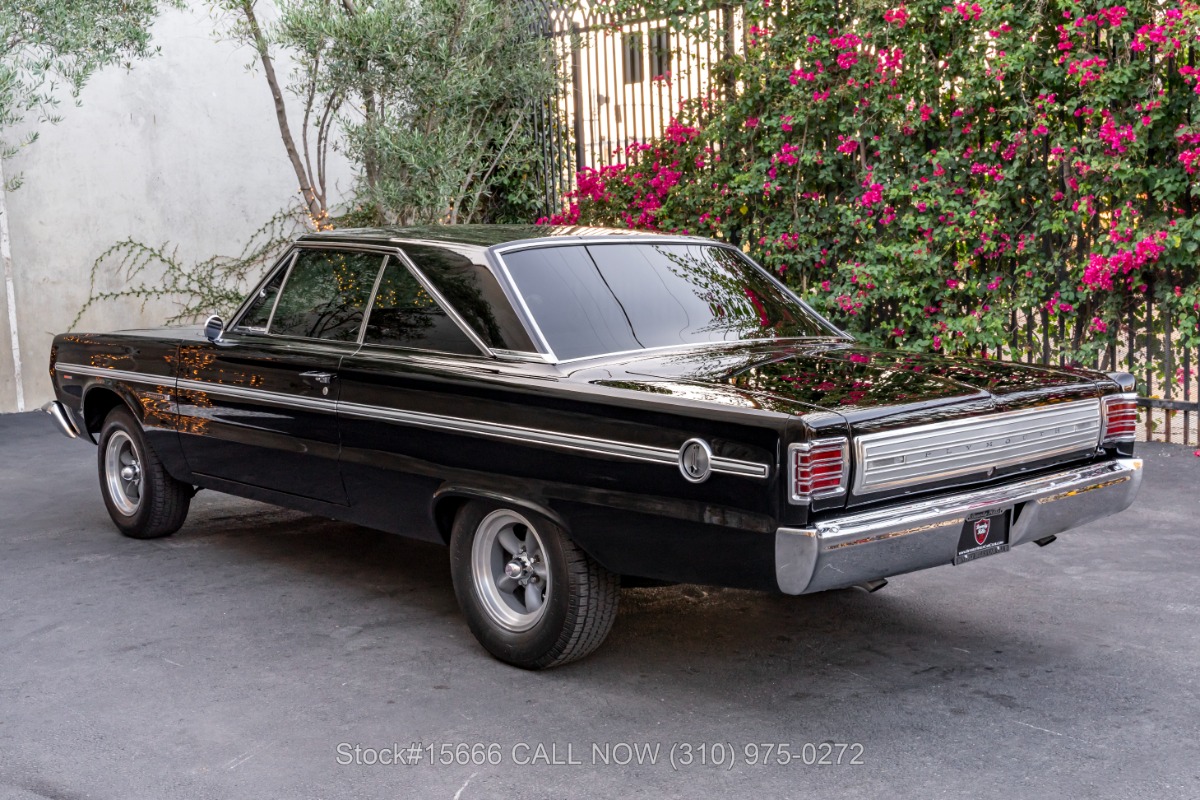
[1120,418]
[819,469]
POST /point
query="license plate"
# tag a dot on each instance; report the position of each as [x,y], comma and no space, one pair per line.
[983,534]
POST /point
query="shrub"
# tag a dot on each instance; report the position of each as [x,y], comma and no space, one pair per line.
[933,175]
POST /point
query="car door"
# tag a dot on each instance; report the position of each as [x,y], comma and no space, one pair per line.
[417,365]
[258,407]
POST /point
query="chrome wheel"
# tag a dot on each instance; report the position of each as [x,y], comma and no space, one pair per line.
[123,473]
[508,565]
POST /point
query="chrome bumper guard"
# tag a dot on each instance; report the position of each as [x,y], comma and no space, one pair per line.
[62,419]
[890,541]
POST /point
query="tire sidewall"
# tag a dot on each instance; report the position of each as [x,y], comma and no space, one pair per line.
[121,420]
[537,646]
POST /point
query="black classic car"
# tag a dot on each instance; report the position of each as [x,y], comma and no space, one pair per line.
[567,408]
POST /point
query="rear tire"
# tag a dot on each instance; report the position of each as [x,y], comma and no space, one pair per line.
[142,499]
[531,597]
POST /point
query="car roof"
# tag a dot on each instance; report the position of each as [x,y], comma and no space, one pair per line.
[482,236]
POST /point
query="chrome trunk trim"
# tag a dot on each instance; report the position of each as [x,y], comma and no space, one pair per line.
[943,450]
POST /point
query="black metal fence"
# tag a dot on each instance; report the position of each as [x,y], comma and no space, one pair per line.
[623,80]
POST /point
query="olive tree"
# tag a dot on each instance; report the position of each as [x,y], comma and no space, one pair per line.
[436,95]
[48,47]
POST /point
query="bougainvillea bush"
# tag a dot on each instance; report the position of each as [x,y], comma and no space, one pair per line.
[935,175]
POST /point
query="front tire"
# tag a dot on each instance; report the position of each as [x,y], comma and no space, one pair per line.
[531,597]
[142,499]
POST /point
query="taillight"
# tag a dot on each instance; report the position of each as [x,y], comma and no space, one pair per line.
[1120,418]
[819,468]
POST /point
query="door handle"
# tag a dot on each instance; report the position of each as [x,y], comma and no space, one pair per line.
[318,376]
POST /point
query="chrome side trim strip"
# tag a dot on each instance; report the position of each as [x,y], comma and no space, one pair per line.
[143,378]
[564,441]
[259,395]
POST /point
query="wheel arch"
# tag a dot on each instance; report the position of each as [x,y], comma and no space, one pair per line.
[449,499]
[99,401]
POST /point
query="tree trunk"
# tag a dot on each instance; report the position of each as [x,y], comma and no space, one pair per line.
[317,211]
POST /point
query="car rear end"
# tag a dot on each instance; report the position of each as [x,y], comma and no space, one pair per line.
[886,495]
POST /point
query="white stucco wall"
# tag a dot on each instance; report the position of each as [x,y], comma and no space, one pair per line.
[184,148]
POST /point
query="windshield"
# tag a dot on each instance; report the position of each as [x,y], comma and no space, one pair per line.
[610,298]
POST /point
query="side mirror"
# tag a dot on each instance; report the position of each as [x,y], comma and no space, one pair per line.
[214,326]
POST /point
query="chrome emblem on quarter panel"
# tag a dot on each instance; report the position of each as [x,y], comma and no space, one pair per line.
[695,460]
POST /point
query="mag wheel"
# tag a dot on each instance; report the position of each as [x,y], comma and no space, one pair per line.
[530,595]
[142,499]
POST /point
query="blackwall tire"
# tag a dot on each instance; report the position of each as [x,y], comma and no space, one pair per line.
[531,597]
[142,499]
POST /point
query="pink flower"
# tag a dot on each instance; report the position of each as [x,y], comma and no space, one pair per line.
[873,193]
[752,122]
[896,16]
[951,283]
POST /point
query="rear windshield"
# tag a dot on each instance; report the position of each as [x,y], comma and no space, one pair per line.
[609,298]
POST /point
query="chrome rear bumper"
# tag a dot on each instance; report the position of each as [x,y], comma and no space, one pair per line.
[62,419]
[889,541]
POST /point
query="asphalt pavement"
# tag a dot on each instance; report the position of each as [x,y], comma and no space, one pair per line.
[262,653]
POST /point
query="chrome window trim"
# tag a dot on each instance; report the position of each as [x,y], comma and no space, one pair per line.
[698,346]
[522,355]
[805,499]
[629,451]
[288,261]
[284,265]
[510,287]
[443,359]
[287,276]
[862,485]
[362,326]
[445,305]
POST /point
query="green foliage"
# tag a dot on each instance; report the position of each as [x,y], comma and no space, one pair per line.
[441,94]
[934,175]
[48,46]
[215,285]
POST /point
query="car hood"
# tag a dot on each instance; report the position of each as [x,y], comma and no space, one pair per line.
[863,386]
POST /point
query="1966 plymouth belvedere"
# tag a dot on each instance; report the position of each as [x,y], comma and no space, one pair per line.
[567,407]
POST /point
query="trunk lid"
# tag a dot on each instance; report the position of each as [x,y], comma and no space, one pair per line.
[916,422]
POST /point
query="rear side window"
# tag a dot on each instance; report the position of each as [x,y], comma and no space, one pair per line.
[325,295]
[472,291]
[405,315]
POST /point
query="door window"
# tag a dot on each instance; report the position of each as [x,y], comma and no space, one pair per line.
[325,295]
[404,314]
[258,314]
